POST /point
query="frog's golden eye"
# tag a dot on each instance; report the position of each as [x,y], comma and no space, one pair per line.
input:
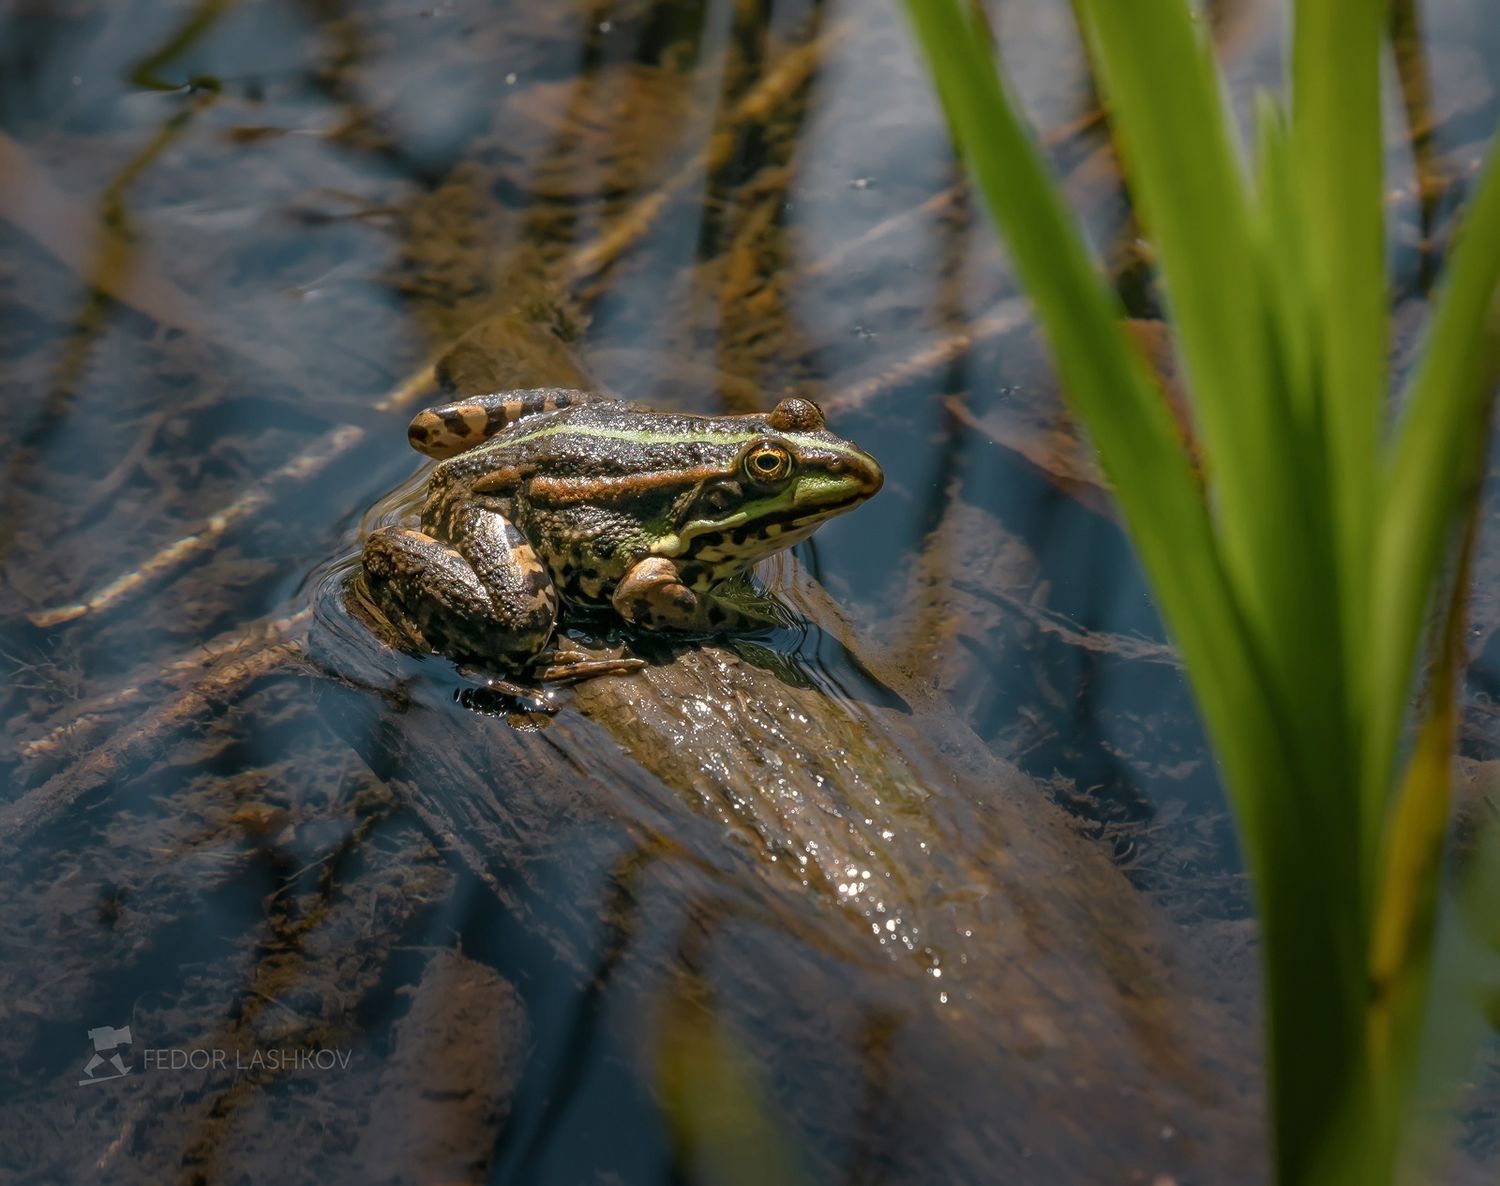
[767,463]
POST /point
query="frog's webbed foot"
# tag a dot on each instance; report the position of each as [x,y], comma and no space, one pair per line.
[569,666]
[484,687]
[532,695]
[559,666]
[654,597]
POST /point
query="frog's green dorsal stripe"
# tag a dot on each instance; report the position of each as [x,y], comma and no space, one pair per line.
[640,436]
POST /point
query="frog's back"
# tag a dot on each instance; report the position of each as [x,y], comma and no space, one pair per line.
[610,438]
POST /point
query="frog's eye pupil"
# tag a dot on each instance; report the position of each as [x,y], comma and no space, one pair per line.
[768,464]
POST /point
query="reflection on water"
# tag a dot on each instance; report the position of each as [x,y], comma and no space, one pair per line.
[779,912]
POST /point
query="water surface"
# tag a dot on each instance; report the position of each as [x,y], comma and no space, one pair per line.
[230,236]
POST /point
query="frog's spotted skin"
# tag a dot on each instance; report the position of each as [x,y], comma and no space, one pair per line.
[449,430]
[567,497]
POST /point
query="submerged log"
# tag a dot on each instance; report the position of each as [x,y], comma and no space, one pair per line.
[939,979]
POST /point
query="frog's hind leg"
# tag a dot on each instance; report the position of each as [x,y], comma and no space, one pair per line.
[492,600]
[451,429]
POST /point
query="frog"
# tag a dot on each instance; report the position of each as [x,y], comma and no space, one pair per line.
[554,499]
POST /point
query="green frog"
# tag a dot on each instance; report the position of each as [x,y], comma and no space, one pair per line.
[553,497]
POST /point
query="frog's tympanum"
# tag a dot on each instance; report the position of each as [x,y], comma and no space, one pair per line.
[551,496]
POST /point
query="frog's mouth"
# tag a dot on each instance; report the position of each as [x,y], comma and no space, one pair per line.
[777,521]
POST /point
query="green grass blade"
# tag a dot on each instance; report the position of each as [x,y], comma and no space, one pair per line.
[1463,997]
[1264,439]
[1404,920]
[1231,297]
[1307,545]
[1337,170]
[1132,429]
[1187,183]
[723,1122]
[1280,245]
[1437,464]
[1404,923]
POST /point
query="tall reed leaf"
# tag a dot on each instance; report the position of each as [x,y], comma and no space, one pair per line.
[1298,576]
[1137,441]
[1336,161]
[1438,460]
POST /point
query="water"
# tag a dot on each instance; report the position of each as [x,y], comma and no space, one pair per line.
[586,949]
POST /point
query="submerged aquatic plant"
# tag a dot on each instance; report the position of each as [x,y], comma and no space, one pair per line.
[1320,552]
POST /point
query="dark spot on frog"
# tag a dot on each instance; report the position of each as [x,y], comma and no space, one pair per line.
[535,582]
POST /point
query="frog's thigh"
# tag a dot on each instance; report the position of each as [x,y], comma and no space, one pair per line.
[653,596]
[438,594]
[425,587]
[523,596]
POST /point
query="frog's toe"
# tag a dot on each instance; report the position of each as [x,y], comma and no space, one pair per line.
[575,670]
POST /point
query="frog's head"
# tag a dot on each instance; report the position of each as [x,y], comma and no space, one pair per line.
[785,475]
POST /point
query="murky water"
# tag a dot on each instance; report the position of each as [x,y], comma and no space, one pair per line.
[936,888]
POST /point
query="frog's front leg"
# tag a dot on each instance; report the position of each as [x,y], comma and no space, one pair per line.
[486,595]
[654,596]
